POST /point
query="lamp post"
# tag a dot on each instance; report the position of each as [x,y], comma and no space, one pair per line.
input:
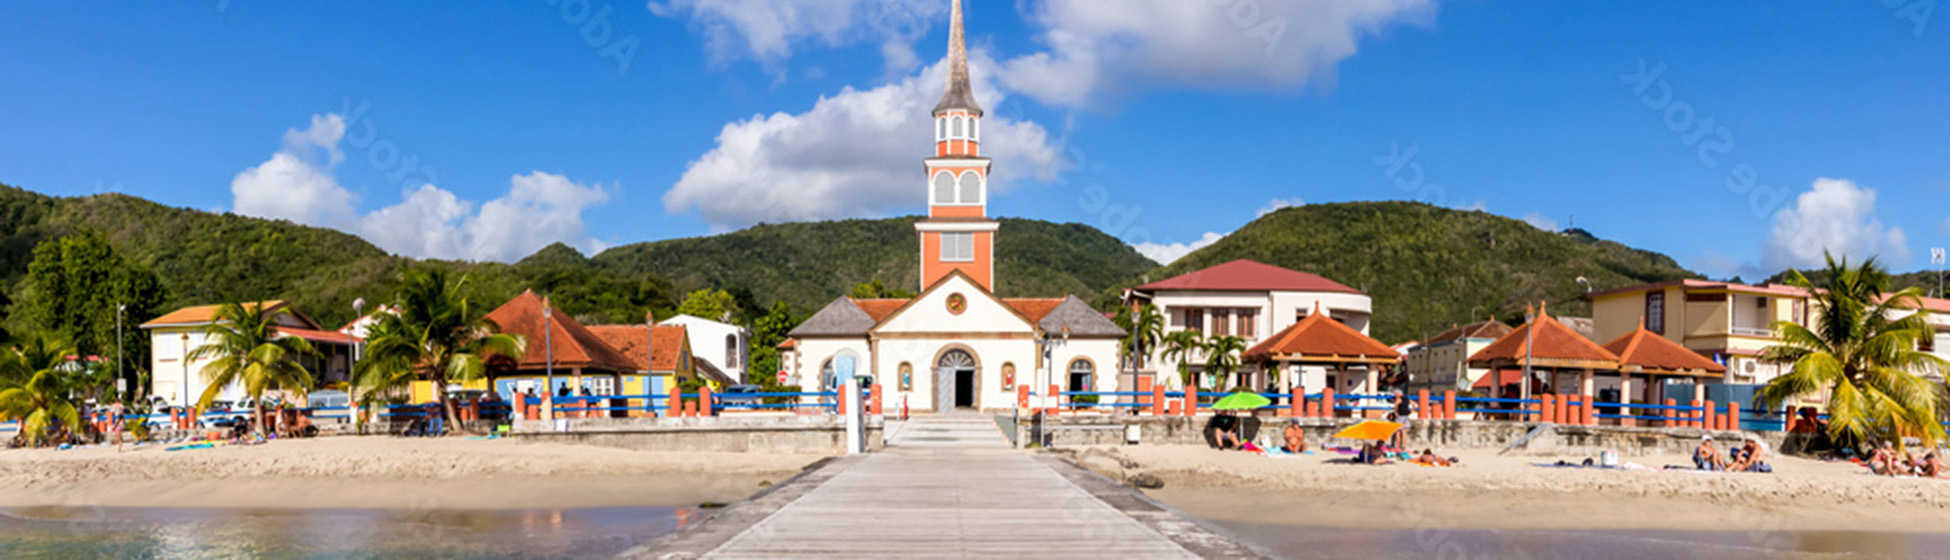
[120,382]
[186,372]
[548,344]
[1529,336]
[351,388]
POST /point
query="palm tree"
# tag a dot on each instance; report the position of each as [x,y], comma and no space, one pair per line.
[1861,351]
[433,335]
[1222,356]
[1145,327]
[1180,346]
[35,380]
[245,348]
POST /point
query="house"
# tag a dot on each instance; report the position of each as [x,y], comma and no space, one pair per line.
[562,355]
[1442,363]
[177,334]
[1727,322]
[661,357]
[1245,299]
[724,347]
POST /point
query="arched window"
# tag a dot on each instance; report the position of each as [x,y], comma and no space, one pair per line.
[907,377]
[940,129]
[957,132]
[974,129]
[971,187]
[944,188]
[1082,375]
[731,351]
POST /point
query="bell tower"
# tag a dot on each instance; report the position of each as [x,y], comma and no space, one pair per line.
[957,234]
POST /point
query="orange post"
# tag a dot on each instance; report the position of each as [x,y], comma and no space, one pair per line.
[1547,409]
[704,403]
[1022,397]
[1696,417]
[1733,416]
[1055,396]
[1587,414]
[1666,421]
[1566,414]
[839,401]
[1296,401]
[1327,404]
[1158,400]
[1172,408]
[1422,401]
[1190,408]
[1143,386]
[1449,405]
[874,406]
[676,403]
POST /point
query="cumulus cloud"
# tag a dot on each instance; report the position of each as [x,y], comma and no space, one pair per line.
[1278,203]
[1835,216]
[1259,44]
[767,30]
[1167,253]
[1540,221]
[298,184]
[853,154]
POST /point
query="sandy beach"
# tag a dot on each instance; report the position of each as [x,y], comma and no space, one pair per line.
[1509,492]
[385,473]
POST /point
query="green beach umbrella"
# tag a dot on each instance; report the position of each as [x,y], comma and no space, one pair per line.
[1241,401]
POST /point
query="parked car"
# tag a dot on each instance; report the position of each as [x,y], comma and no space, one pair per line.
[328,399]
[740,394]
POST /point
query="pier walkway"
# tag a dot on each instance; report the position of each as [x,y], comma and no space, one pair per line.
[950,487]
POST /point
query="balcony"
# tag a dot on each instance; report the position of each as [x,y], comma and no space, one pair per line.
[1753,331]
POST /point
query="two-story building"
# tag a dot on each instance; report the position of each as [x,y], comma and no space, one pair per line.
[1443,362]
[1727,322]
[178,379]
[1246,299]
[722,346]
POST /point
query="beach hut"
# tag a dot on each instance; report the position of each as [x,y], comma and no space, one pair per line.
[579,359]
[1658,359]
[1562,361]
[1319,353]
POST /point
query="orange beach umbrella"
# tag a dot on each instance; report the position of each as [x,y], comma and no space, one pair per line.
[1375,430]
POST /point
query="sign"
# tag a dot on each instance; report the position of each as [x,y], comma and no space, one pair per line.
[782,378]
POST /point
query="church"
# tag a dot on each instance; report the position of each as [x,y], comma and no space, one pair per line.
[957,345]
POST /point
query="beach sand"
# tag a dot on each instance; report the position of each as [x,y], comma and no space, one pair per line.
[385,473]
[1509,492]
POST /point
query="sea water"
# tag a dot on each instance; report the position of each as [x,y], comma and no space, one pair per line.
[1383,544]
[215,533]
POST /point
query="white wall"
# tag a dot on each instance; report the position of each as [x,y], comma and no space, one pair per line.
[167,351]
[707,340]
[1277,311]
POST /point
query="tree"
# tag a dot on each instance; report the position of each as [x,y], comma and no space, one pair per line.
[35,388]
[73,288]
[436,335]
[767,333]
[878,290]
[1145,327]
[1861,351]
[1181,346]
[708,304]
[1222,356]
[246,348]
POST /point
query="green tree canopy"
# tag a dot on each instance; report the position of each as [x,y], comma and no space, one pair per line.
[245,348]
[878,290]
[708,304]
[73,289]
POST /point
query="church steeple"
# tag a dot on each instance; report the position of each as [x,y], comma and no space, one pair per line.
[957,236]
[959,95]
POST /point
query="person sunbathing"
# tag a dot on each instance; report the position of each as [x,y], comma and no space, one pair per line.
[1883,460]
[1706,457]
[1372,454]
[1429,458]
[1750,458]
[1296,438]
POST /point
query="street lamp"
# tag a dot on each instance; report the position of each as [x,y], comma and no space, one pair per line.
[548,344]
[120,382]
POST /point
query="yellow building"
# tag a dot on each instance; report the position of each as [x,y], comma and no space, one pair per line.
[1730,323]
[174,336]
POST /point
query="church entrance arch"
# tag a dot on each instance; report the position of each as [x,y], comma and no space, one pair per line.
[954,380]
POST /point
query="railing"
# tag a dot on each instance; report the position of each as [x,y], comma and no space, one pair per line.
[1752,331]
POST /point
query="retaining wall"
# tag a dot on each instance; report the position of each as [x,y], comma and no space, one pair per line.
[1446,434]
[765,434]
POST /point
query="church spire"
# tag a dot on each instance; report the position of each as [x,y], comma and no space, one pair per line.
[959,95]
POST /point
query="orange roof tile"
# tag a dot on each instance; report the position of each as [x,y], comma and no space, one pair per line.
[1652,353]
[880,309]
[1319,337]
[789,344]
[665,344]
[1554,345]
[1035,309]
[572,344]
[328,337]
[203,314]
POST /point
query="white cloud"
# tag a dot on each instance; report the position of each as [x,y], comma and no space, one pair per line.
[296,185]
[1540,221]
[853,154]
[1167,253]
[768,30]
[1836,216]
[1259,44]
[1278,203]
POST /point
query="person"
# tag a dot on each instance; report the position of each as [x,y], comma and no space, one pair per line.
[1296,438]
[1706,457]
[1372,454]
[1404,408]
[1883,460]
[1751,457]
[1428,457]
[1225,431]
[116,425]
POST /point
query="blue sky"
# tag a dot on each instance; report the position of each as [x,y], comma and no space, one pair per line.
[489,130]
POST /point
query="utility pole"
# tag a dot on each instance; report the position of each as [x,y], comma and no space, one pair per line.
[121,383]
[1936,258]
[548,344]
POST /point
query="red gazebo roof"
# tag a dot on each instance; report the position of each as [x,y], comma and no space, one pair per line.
[1647,352]
[1320,338]
[1552,346]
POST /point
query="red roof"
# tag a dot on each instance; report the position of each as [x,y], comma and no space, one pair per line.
[1554,345]
[789,344]
[1034,309]
[1507,377]
[206,314]
[1249,276]
[1652,353]
[879,309]
[666,344]
[572,344]
[1321,338]
[328,337]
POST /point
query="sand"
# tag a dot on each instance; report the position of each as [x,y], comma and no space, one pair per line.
[385,473]
[1493,492]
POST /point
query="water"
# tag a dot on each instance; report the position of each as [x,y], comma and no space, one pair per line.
[194,533]
[1297,542]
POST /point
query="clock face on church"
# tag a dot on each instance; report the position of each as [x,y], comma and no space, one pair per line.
[957,303]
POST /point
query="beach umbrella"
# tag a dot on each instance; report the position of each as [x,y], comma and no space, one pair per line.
[1241,401]
[1375,430]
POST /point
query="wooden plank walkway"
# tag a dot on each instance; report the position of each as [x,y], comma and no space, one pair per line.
[948,487]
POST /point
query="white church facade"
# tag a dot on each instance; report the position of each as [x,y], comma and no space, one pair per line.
[957,345]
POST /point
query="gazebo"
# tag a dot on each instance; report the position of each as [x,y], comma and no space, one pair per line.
[1317,352]
[1643,352]
[1547,345]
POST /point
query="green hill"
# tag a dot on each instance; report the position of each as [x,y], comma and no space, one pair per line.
[809,264]
[1428,267]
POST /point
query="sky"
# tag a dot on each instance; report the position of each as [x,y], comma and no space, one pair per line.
[1737,137]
